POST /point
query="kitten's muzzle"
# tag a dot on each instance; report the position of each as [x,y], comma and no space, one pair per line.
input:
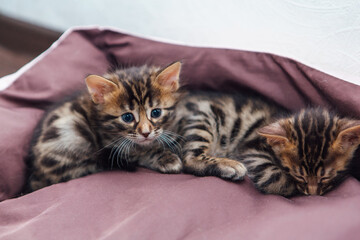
[145,139]
[145,134]
[313,190]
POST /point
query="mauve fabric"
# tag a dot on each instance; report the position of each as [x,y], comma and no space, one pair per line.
[149,205]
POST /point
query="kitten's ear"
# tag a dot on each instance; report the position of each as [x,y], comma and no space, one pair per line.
[274,133]
[99,88]
[349,135]
[169,77]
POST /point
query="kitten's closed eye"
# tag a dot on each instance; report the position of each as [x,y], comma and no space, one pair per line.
[324,179]
[300,178]
[317,143]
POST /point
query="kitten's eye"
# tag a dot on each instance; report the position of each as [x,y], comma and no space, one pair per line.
[323,179]
[300,178]
[127,117]
[156,113]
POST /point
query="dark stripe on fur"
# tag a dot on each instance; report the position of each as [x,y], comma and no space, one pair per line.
[218,114]
[119,126]
[190,121]
[200,127]
[51,134]
[85,132]
[235,129]
[299,136]
[197,152]
[273,179]
[223,140]
[253,127]
[76,107]
[49,162]
[52,119]
[261,167]
[130,93]
[149,93]
[327,137]
[108,117]
[192,107]
[170,108]
[195,138]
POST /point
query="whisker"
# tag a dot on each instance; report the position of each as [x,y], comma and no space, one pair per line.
[129,146]
[114,148]
[119,157]
[175,135]
[161,142]
[174,142]
[169,143]
[165,141]
[120,151]
[171,137]
[112,142]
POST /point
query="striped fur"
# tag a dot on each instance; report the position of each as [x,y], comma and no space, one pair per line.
[218,128]
[308,153]
[203,133]
[87,133]
[314,147]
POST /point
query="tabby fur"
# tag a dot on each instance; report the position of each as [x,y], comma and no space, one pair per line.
[202,133]
[309,152]
[87,133]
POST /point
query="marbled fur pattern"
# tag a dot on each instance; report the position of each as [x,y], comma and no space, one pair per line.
[309,152]
[86,134]
[201,133]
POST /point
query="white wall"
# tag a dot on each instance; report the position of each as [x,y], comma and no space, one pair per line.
[324,34]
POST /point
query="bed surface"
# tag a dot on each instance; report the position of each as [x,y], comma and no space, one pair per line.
[150,205]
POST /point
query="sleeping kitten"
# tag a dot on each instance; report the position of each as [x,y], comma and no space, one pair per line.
[113,124]
[315,147]
[308,153]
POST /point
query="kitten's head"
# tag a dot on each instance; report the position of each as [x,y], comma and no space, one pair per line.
[135,103]
[315,147]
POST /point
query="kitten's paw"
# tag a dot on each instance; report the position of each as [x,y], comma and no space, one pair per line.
[211,166]
[169,163]
[229,169]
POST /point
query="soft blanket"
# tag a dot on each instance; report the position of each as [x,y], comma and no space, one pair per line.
[150,205]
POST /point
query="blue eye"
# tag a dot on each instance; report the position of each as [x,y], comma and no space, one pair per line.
[127,117]
[156,113]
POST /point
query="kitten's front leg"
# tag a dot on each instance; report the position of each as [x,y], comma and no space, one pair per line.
[204,165]
[161,160]
[198,159]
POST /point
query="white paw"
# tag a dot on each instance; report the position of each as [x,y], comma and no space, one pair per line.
[173,165]
[232,170]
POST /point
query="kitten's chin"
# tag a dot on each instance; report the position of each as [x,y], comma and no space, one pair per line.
[145,142]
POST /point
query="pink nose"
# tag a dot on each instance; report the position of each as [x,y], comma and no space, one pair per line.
[146,134]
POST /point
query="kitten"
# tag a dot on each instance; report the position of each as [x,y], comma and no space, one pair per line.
[308,153]
[113,124]
[316,148]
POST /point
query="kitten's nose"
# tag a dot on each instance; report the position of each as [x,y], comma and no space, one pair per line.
[145,134]
[313,186]
[313,190]
[145,130]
